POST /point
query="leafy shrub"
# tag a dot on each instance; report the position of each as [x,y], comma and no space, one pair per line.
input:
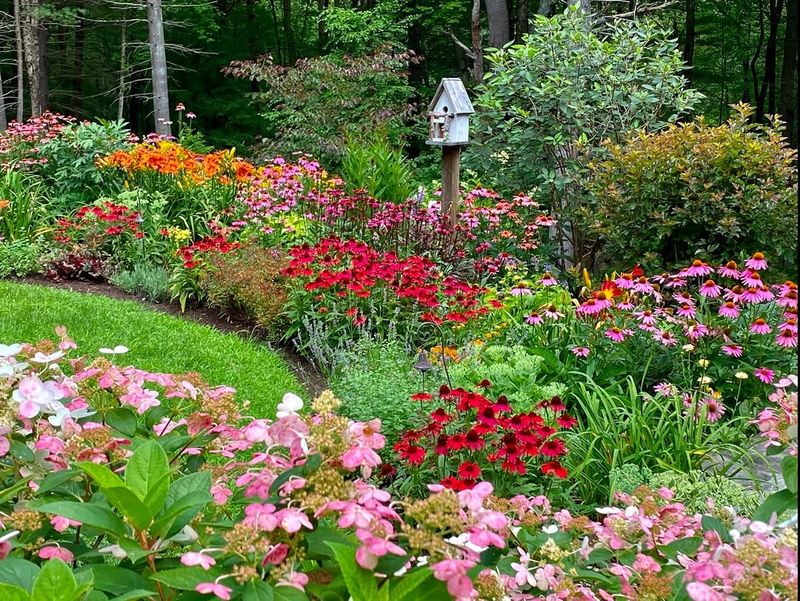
[75,264]
[379,169]
[694,189]
[376,380]
[513,372]
[23,205]
[19,257]
[547,102]
[148,281]
[248,282]
[312,106]
[69,161]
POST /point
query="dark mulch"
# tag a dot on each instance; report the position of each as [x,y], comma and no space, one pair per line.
[308,375]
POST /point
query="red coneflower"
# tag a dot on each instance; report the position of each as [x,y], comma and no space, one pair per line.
[469,470]
[554,468]
[453,484]
[442,448]
[474,441]
[457,442]
[484,384]
[413,454]
[421,396]
[566,421]
[488,416]
[514,465]
[441,416]
[553,448]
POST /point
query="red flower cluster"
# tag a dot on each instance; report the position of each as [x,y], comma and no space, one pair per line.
[107,219]
[353,270]
[191,254]
[470,431]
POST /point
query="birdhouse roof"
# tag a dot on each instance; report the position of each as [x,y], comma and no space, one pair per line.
[456,94]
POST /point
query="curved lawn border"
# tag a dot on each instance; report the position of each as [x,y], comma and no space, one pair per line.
[157,341]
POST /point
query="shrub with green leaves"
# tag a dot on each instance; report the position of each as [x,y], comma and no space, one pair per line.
[148,281]
[695,189]
[513,371]
[19,257]
[377,380]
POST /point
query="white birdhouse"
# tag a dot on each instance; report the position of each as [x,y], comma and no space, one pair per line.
[449,113]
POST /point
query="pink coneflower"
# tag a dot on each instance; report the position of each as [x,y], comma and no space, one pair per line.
[675,282]
[764,374]
[624,281]
[664,389]
[520,290]
[590,307]
[683,297]
[647,328]
[580,351]
[534,319]
[788,298]
[757,261]
[729,270]
[643,286]
[752,278]
[696,330]
[760,326]
[729,310]
[733,350]
[547,279]
[697,268]
[626,305]
[714,409]
[666,338]
[752,295]
[686,310]
[551,312]
[789,324]
[786,338]
[616,334]
[710,289]
[646,317]
[734,294]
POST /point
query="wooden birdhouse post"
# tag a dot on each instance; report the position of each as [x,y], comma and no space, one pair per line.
[448,116]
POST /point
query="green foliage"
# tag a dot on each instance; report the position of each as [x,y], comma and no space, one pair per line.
[513,371]
[366,30]
[145,280]
[23,205]
[69,166]
[378,168]
[624,425]
[376,379]
[314,106]
[695,189]
[548,102]
[19,258]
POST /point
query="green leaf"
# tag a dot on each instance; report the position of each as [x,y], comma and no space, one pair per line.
[101,474]
[683,546]
[136,594]
[258,591]
[56,479]
[599,555]
[186,578]
[116,580]
[185,498]
[319,538]
[311,465]
[789,471]
[288,593]
[157,494]
[410,582]
[146,469]
[21,451]
[133,549]
[89,514]
[361,584]
[711,523]
[55,582]
[123,420]
[9,592]
[129,505]
[775,504]
[19,572]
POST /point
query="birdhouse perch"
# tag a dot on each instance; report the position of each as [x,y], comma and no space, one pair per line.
[448,116]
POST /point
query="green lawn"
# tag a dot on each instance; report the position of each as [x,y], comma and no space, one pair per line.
[157,342]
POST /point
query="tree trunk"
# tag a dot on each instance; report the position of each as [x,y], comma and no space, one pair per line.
[688,47]
[497,13]
[522,25]
[545,7]
[20,62]
[477,41]
[288,32]
[158,67]
[789,72]
[123,69]
[34,38]
[767,92]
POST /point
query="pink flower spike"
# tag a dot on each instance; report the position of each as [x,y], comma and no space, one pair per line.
[214,588]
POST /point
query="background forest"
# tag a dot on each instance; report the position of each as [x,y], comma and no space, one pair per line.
[285,75]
